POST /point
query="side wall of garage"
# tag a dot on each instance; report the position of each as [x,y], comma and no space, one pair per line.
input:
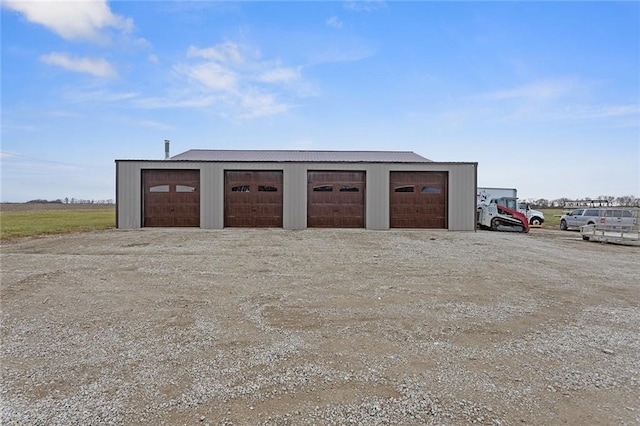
[461,190]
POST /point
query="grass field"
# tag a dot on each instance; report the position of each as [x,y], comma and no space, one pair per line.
[551,218]
[24,220]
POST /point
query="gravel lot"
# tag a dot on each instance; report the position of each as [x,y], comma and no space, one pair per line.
[325,327]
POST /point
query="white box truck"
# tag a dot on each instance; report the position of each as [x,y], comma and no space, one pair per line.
[485,195]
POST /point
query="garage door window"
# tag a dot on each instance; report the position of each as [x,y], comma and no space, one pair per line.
[346,188]
[185,188]
[323,188]
[404,188]
[159,188]
[431,190]
[263,188]
[241,188]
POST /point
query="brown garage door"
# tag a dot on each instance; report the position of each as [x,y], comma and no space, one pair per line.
[253,198]
[418,200]
[335,199]
[171,197]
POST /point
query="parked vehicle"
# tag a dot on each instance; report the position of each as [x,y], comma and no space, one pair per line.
[614,218]
[536,217]
[501,214]
[486,195]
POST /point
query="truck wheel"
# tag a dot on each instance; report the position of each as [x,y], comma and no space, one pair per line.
[495,223]
[563,225]
[535,221]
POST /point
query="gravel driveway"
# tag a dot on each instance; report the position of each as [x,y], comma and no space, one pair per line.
[319,327]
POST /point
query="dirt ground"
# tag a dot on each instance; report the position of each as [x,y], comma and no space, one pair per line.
[324,327]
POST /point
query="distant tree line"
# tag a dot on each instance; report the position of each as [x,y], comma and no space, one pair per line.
[540,203]
[70,201]
[625,200]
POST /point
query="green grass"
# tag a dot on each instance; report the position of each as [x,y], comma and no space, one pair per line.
[551,218]
[30,223]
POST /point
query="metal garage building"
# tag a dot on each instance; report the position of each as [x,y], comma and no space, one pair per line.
[213,189]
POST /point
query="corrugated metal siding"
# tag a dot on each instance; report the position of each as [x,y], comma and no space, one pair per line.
[300,156]
[129,195]
[295,196]
[377,197]
[212,196]
[461,196]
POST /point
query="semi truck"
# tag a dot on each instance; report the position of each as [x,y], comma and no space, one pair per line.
[485,195]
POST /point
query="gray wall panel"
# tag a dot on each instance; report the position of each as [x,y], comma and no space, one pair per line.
[211,196]
[461,196]
[377,197]
[128,195]
[295,196]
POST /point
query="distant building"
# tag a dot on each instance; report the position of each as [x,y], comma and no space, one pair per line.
[569,204]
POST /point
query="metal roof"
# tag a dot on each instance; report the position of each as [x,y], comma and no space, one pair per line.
[301,156]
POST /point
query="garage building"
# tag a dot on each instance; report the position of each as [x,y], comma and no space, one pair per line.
[214,189]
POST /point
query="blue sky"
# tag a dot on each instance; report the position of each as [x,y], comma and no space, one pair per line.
[545,96]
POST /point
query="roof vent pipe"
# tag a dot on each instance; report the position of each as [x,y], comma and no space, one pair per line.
[166,149]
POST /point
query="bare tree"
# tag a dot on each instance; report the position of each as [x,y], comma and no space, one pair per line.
[627,200]
[610,199]
[560,202]
[541,203]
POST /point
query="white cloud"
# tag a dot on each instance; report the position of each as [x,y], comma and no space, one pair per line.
[72,20]
[183,100]
[538,91]
[365,5]
[615,111]
[38,165]
[275,75]
[99,96]
[236,81]
[23,175]
[155,125]
[212,75]
[225,52]
[95,66]
[5,154]
[334,22]
[568,101]
[337,54]
[303,144]
[261,105]
[153,59]
[594,112]
[63,114]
